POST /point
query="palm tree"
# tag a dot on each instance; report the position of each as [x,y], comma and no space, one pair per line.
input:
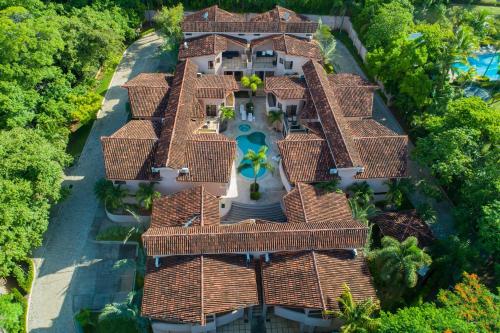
[146,194]
[274,118]
[256,161]
[252,82]
[226,113]
[326,42]
[123,317]
[357,317]
[362,212]
[361,192]
[396,190]
[397,263]
[329,186]
[112,196]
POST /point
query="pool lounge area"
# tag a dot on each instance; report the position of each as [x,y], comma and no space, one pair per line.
[252,141]
[485,64]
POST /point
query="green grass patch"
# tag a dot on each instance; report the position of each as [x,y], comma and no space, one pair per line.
[118,233]
[106,75]
[146,32]
[77,140]
[494,10]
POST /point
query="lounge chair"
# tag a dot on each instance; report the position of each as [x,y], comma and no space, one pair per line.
[243,112]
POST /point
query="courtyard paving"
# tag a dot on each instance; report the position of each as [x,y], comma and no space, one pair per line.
[69,264]
[270,183]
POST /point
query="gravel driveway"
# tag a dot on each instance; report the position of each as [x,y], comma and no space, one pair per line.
[67,244]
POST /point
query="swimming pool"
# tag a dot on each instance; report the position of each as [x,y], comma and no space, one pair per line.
[485,64]
[251,141]
[244,127]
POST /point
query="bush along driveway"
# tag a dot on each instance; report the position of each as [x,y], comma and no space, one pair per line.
[67,247]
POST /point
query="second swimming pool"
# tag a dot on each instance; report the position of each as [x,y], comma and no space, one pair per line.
[251,141]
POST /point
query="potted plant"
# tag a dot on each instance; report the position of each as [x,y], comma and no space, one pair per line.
[256,161]
[226,113]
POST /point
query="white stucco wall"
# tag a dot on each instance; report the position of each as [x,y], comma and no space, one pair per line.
[162,327]
[284,179]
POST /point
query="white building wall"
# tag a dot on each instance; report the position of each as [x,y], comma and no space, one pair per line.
[296,69]
[162,327]
[202,63]
[284,179]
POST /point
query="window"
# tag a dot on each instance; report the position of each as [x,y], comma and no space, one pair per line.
[271,100]
[210,64]
[291,110]
[280,106]
[189,34]
[288,64]
[211,110]
[256,34]
[281,60]
[120,182]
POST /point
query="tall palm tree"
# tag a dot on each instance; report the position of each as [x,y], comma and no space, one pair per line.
[397,263]
[274,118]
[357,317]
[253,82]
[396,190]
[362,212]
[326,42]
[146,194]
[361,192]
[256,161]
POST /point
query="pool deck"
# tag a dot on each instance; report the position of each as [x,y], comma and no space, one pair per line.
[270,183]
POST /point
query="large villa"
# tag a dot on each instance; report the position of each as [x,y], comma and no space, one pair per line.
[217,259]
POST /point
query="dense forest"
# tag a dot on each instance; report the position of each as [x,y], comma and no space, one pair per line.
[53,54]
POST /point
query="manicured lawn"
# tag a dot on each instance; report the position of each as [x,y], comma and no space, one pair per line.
[77,140]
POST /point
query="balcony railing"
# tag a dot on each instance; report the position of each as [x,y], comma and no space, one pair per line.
[233,63]
[264,62]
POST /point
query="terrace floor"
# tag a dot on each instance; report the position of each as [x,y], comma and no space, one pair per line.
[270,183]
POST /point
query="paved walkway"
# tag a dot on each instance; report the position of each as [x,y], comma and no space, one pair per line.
[344,62]
[67,245]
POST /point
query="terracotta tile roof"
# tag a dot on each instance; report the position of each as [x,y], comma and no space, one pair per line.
[279,14]
[129,152]
[189,288]
[212,44]
[334,125]
[148,94]
[309,111]
[354,95]
[139,129]
[195,206]
[209,158]
[315,279]
[214,14]
[286,87]
[306,158]
[402,225]
[215,86]
[267,237]
[367,128]
[383,157]
[219,21]
[307,204]
[181,106]
[291,45]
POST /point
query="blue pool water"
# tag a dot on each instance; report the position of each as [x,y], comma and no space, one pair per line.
[244,127]
[480,63]
[251,141]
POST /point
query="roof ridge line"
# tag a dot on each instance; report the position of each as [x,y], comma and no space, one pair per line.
[302,201]
[318,281]
[381,136]
[118,138]
[202,292]
[201,208]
